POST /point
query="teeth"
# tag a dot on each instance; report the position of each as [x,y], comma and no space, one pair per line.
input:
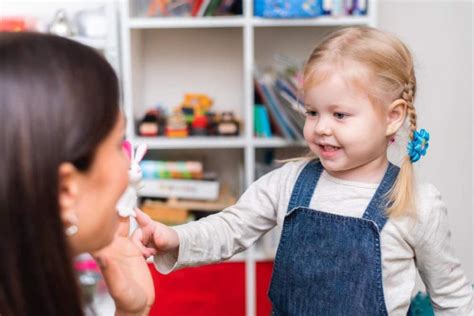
[329,148]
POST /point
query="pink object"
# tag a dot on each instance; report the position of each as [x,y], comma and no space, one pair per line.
[86,265]
[128,148]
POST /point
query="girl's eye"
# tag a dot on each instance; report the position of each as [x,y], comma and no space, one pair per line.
[311,113]
[340,116]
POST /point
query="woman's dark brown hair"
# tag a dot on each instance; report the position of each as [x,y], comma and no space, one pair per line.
[58,100]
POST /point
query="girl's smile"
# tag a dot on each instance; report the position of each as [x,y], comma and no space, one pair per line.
[328,151]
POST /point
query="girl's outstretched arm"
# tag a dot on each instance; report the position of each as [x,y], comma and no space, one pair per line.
[215,237]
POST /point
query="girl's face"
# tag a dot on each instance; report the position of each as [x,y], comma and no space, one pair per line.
[98,190]
[345,130]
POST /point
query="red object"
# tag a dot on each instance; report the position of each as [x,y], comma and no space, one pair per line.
[200,121]
[264,275]
[196,6]
[13,24]
[217,289]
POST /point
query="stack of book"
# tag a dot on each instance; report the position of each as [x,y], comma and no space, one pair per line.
[196,8]
[278,94]
[174,212]
[178,179]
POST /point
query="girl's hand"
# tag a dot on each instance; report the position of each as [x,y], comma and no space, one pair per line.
[126,273]
[153,237]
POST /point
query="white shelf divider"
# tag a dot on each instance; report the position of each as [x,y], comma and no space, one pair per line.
[250,262]
[319,21]
[192,142]
[185,22]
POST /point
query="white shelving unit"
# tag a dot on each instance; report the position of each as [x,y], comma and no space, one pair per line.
[163,58]
[43,11]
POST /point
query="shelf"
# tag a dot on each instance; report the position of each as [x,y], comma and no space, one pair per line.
[203,142]
[191,142]
[274,142]
[238,21]
[320,21]
[186,22]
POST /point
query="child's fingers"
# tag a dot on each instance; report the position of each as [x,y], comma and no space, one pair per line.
[148,226]
[142,218]
[149,252]
[137,241]
[153,233]
[143,235]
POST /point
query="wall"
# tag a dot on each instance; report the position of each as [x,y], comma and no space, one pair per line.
[439,34]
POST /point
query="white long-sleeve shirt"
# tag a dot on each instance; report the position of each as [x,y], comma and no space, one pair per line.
[406,244]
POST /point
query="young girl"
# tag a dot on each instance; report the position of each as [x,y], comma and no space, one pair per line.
[354,228]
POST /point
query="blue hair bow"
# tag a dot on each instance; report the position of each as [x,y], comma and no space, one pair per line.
[418,146]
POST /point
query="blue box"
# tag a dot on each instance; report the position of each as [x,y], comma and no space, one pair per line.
[288,9]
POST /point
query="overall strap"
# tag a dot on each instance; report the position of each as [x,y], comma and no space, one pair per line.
[304,187]
[376,210]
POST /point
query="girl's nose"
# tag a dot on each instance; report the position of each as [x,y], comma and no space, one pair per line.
[322,127]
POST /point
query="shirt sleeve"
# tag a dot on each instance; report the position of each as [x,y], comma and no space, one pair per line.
[220,236]
[440,270]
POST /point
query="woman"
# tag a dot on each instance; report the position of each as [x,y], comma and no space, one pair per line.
[62,172]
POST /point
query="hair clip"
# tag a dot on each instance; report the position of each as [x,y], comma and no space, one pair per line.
[418,146]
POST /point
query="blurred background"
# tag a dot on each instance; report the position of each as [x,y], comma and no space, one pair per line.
[211,87]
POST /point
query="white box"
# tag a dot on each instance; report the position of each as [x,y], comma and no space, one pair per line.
[178,188]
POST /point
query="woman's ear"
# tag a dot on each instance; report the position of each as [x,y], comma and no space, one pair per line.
[68,177]
[396,115]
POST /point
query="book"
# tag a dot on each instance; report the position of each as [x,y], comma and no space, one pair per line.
[274,102]
[274,121]
[263,123]
[212,7]
[360,7]
[180,188]
[158,169]
[196,7]
[203,7]
[267,132]
[229,7]
[294,113]
[225,200]
[257,122]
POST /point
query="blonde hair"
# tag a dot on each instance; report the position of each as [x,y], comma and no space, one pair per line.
[389,75]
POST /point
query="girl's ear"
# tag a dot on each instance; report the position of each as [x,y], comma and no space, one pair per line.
[396,115]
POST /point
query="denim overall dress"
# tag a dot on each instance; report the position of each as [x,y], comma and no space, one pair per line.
[329,264]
